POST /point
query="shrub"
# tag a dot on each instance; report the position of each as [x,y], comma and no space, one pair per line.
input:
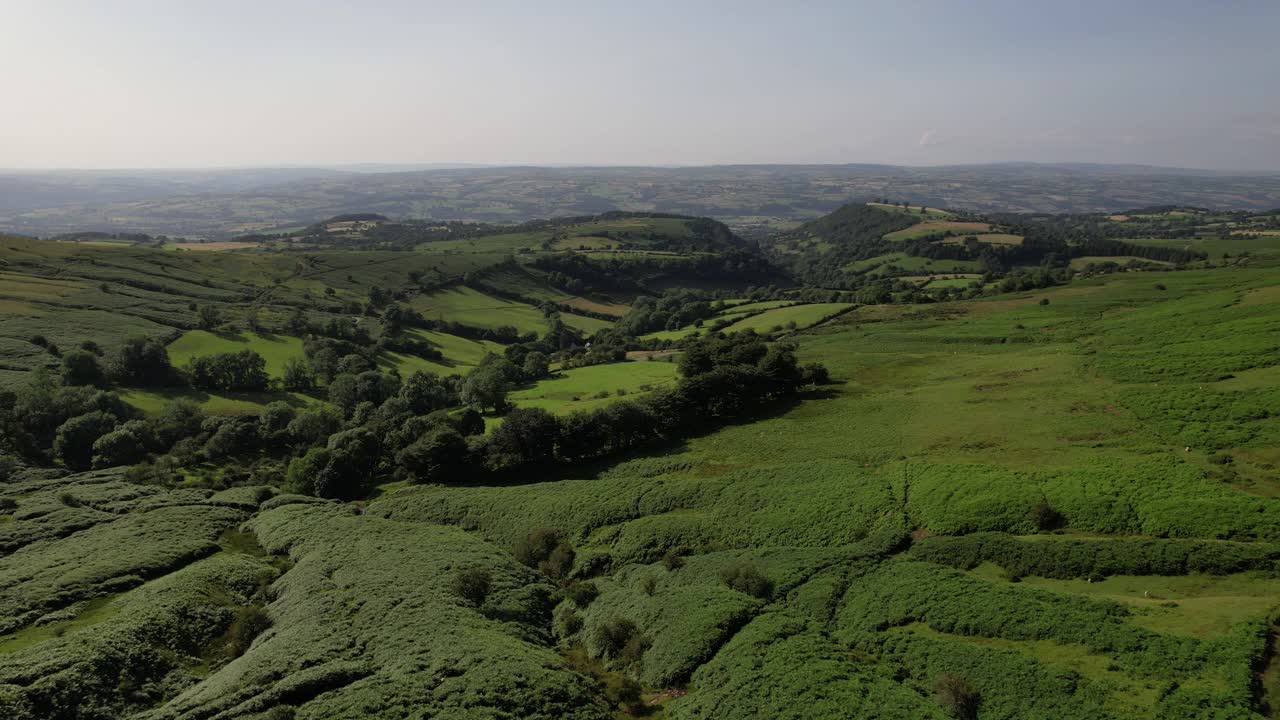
[250,622]
[547,550]
[472,585]
[80,367]
[582,593]
[746,578]
[1044,517]
[74,441]
[141,362]
[613,636]
[673,559]
[956,696]
[649,585]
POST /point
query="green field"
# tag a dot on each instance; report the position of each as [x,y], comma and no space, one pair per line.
[1056,504]
[472,307]
[274,349]
[152,401]
[802,315]
[578,389]
[908,263]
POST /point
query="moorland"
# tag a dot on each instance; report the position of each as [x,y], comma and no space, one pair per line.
[895,460]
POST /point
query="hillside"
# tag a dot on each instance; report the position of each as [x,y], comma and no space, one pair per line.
[893,465]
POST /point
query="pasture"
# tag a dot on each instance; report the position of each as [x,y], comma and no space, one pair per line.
[802,315]
[587,388]
[938,227]
[471,307]
[274,349]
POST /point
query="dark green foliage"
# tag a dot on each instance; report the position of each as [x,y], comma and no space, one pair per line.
[75,438]
[956,696]
[619,639]
[80,367]
[237,371]
[208,317]
[485,387]
[440,455]
[547,550]
[473,585]
[250,622]
[141,362]
[125,445]
[275,418]
[526,437]
[746,578]
[343,470]
[313,426]
[297,375]
[581,592]
[1068,558]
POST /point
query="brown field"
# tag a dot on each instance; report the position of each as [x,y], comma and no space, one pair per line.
[214,246]
[590,242]
[1118,218]
[931,227]
[608,308]
[988,238]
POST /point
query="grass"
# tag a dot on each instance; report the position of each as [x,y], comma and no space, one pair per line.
[154,400]
[802,315]
[472,307]
[276,350]
[576,389]
[937,227]
[908,263]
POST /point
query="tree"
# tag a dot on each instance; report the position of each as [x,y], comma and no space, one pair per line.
[275,418]
[473,585]
[208,317]
[526,437]
[547,550]
[745,578]
[74,440]
[297,375]
[535,365]
[80,367]
[956,696]
[435,457]
[312,426]
[484,387]
[142,362]
[251,318]
[424,392]
[122,446]
[244,370]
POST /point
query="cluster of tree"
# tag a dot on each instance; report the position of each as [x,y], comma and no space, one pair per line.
[671,310]
[244,370]
[581,274]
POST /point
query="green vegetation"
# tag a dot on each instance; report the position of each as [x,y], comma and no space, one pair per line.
[650,479]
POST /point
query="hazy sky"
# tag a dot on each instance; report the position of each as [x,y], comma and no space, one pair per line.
[135,83]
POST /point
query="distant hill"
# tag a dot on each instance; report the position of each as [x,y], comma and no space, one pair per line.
[755,200]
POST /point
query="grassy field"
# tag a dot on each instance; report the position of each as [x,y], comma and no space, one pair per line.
[245,403]
[802,315]
[472,307]
[274,349]
[881,263]
[582,388]
[937,227]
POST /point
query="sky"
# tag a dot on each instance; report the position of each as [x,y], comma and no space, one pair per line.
[224,83]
